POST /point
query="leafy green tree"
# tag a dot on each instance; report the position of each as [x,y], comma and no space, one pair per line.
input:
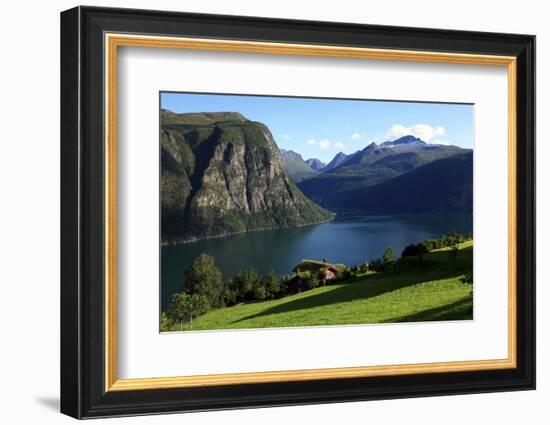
[247,286]
[364,268]
[453,242]
[229,295]
[204,278]
[185,307]
[256,286]
[388,258]
[272,285]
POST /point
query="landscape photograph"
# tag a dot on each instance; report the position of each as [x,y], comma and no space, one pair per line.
[280,212]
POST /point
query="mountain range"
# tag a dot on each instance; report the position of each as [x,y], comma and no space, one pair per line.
[343,184]
[223,174]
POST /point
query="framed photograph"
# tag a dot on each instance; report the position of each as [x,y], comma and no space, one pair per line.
[261,212]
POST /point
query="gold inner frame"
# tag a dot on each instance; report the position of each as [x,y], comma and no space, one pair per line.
[113,41]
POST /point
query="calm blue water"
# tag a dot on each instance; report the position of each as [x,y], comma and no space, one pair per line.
[349,239]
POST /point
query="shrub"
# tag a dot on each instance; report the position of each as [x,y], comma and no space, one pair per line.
[313,281]
[376,265]
[185,307]
[166,324]
[468,278]
[415,250]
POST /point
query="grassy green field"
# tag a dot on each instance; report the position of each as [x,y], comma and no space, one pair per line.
[414,291]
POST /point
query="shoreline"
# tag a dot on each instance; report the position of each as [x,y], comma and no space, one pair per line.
[189,241]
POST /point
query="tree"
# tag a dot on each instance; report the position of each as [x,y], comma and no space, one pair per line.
[229,295]
[272,285]
[419,249]
[453,241]
[204,278]
[388,258]
[185,307]
[246,286]
[256,285]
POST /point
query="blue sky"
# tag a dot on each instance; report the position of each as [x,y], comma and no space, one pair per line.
[320,128]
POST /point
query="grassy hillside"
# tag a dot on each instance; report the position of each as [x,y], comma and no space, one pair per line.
[415,291]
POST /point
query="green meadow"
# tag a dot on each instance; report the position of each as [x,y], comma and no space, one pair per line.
[413,290]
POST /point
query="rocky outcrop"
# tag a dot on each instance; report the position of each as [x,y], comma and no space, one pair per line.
[222,174]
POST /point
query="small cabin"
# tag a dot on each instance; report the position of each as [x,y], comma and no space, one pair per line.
[328,273]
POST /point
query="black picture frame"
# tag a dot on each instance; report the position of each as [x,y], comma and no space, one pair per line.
[83,392]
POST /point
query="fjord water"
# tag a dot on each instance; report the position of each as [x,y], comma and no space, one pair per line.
[349,239]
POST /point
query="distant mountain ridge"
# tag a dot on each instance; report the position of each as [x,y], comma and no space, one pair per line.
[295,166]
[316,164]
[341,186]
[338,160]
[222,174]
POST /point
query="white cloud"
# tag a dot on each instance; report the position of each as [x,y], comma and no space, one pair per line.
[440,142]
[286,136]
[311,141]
[340,146]
[356,136]
[422,131]
[324,143]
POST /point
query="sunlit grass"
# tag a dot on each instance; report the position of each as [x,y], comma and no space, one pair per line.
[415,291]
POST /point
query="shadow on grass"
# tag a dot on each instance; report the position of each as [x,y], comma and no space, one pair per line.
[411,273]
[457,310]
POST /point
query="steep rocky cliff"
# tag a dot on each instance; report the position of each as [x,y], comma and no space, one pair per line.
[222,174]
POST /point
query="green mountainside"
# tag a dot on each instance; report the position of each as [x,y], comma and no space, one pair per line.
[444,185]
[222,174]
[295,166]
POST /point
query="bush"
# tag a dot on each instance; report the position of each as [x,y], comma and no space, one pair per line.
[313,282]
[376,265]
[185,307]
[166,324]
[468,278]
[415,250]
